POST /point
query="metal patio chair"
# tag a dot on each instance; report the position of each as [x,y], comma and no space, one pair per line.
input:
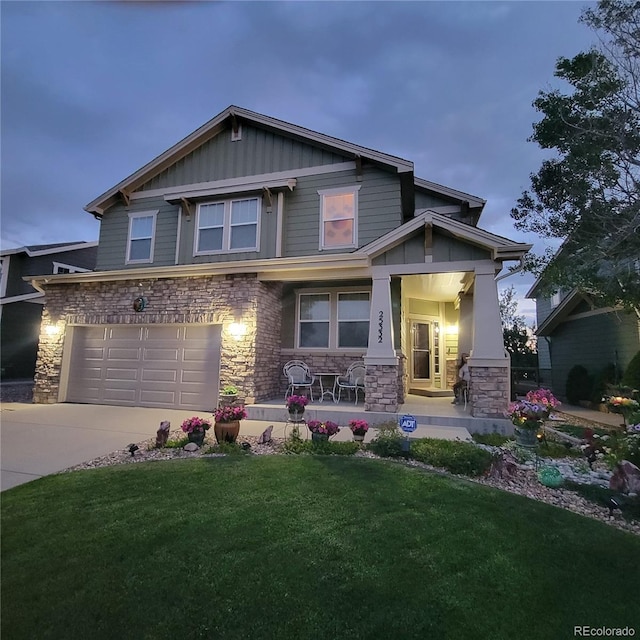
[353,381]
[299,376]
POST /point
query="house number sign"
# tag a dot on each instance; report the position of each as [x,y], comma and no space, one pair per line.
[380,325]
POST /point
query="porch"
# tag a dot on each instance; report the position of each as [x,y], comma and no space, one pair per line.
[432,412]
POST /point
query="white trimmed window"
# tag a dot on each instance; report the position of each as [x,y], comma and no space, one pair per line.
[227,226]
[333,320]
[555,299]
[142,231]
[339,218]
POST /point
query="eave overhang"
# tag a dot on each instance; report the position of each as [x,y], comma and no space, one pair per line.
[299,268]
[560,313]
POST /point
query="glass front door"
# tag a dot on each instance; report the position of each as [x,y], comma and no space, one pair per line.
[421,351]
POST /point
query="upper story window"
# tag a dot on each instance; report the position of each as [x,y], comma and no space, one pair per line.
[555,299]
[333,320]
[142,229]
[339,218]
[227,226]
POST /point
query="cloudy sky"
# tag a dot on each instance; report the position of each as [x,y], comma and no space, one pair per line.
[91,91]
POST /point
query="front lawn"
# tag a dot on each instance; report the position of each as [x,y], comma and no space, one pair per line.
[302,547]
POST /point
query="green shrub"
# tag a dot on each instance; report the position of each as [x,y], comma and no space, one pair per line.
[602,380]
[295,445]
[454,456]
[176,444]
[228,448]
[631,377]
[578,384]
[388,442]
[491,439]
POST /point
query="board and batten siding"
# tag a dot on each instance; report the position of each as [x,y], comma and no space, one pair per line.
[258,152]
[428,201]
[114,231]
[593,342]
[444,249]
[379,209]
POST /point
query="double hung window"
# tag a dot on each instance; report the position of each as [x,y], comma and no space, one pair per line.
[231,225]
[142,228]
[333,320]
[338,218]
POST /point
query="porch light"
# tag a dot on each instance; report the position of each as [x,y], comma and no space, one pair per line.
[52,330]
[452,330]
[237,329]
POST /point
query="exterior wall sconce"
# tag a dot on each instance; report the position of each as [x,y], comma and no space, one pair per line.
[238,330]
[52,329]
[452,330]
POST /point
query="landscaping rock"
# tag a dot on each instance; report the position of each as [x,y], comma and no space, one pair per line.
[266,435]
[191,446]
[162,434]
[625,478]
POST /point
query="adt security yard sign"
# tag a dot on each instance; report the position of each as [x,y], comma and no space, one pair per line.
[408,424]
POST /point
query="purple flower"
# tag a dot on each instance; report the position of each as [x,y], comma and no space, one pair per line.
[195,425]
[230,414]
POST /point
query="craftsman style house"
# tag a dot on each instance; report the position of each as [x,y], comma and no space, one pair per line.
[253,242]
[21,304]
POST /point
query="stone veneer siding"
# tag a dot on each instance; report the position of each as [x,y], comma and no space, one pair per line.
[489,391]
[382,387]
[251,362]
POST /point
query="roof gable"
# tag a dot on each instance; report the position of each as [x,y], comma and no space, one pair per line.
[500,248]
[228,119]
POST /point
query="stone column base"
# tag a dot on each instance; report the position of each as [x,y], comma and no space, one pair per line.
[489,391]
[381,388]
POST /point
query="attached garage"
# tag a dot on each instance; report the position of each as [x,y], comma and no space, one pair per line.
[162,365]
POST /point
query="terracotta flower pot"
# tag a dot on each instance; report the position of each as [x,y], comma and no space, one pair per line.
[226,431]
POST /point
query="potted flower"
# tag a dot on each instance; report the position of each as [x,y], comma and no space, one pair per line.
[322,430]
[195,429]
[359,429]
[527,418]
[544,398]
[229,395]
[295,407]
[622,405]
[227,425]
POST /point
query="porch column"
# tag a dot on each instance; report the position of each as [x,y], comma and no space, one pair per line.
[381,380]
[489,364]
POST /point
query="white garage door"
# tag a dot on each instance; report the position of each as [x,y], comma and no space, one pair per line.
[170,366]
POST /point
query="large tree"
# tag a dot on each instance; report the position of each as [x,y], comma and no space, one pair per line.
[519,339]
[588,192]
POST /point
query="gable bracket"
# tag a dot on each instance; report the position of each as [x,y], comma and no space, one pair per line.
[358,168]
[234,124]
[428,242]
[269,196]
[126,196]
[187,208]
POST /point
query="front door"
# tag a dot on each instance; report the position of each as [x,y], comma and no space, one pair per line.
[421,369]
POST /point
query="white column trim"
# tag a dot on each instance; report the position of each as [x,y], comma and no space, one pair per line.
[279,214]
[380,349]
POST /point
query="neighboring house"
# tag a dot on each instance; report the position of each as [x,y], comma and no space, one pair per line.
[21,304]
[253,242]
[574,330]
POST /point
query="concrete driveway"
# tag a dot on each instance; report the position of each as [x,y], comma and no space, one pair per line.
[36,440]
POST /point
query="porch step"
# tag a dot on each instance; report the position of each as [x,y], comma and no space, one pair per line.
[431,393]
